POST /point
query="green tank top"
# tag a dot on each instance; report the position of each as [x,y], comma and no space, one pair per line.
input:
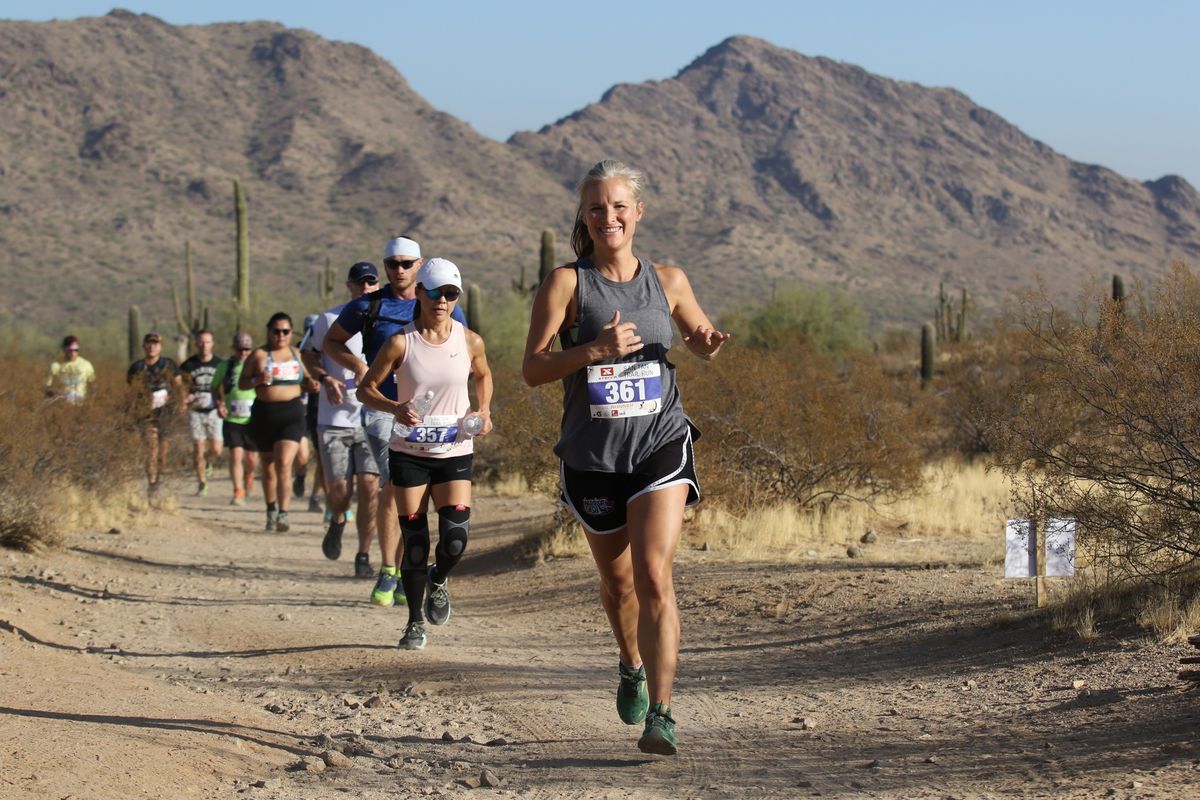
[237,401]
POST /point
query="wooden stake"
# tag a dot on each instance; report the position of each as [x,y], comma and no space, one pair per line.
[1039,535]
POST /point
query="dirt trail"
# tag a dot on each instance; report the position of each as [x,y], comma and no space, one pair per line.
[198,656]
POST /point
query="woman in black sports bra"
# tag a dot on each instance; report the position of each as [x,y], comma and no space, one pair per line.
[276,373]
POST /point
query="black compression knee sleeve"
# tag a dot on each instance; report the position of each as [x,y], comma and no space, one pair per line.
[414,532]
[453,532]
[414,529]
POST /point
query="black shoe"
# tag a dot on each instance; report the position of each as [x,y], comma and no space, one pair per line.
[362,566]
[298,484]
[414,636]
[331,545]
[437,600]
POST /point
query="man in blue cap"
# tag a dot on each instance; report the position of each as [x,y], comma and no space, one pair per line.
[341,438]
[377,317]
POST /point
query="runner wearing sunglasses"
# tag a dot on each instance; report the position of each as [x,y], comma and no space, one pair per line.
[430,455]
[276,372]
[377,317]
[341,438]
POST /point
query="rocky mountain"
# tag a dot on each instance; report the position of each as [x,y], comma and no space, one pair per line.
[770,166]
[120,137]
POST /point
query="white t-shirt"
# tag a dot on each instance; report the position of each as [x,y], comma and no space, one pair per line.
[346,415]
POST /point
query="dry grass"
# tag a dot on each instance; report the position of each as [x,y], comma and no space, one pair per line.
[958,516]
[1098,598]
[64,467]
[563,538]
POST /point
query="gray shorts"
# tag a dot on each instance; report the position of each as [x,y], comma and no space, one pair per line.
[205,425]
[344,453]
[378,426]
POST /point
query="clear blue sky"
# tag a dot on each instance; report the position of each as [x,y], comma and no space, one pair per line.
[1113,83]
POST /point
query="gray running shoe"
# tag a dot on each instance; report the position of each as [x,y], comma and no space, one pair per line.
[272,519]
[437,600]
[362,566]
[414,636]
[281,523]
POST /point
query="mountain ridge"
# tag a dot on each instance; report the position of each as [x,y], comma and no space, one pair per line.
[120,135]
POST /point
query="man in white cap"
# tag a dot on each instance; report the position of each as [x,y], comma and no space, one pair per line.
[378,316]
[341,438]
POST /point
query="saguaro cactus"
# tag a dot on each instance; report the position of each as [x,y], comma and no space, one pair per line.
[927,353]
[188,324]
[475,307]
[135,332]
[547,256]
[242,287]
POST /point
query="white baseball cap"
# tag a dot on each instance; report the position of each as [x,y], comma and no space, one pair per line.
[438,272]
[401,247]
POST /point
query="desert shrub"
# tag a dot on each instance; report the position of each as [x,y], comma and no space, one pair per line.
[973,381]
[505,323]
[1105,426]
[826,321]
[58,460]
[526,429]
[795,426]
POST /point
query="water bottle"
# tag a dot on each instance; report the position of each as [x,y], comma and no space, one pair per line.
[267,376]
[422,405]
[472,424]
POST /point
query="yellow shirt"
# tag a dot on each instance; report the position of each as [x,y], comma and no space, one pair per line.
[69,379]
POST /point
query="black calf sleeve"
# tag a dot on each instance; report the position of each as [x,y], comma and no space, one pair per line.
[414,582]
[414,532]
[453,532]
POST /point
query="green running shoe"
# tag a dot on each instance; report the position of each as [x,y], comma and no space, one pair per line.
[659,736]
[414,636]
[272,519]
[384,593]
[281,522]
[201,489]
[632,698]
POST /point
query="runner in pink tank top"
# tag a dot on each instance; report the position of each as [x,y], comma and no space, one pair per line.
[431,451]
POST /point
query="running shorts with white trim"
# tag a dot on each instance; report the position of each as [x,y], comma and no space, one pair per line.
[599,499]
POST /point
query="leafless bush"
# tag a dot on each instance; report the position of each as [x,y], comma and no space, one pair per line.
[794,426]
[53,454]
[527,423]
[1105,425]
[974,380]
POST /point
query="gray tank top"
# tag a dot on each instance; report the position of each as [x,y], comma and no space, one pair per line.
[618,413]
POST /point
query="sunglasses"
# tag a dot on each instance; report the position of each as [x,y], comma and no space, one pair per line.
[449,294]
[367,281]
[393,263]
[281,331]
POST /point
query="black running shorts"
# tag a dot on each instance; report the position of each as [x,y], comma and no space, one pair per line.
[409,470]
[599,499]
[276,422]
[237,434]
